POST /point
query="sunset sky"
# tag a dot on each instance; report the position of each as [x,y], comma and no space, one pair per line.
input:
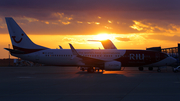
[130,24]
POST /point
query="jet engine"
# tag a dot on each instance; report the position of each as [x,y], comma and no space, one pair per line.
[112,66]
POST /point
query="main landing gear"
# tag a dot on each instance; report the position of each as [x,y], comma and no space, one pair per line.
[92,70]
[149,68]
[141,68]
[158,70]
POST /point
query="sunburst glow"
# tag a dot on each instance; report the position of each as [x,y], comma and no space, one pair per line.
[102,36]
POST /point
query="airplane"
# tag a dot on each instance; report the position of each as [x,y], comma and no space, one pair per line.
[92,59]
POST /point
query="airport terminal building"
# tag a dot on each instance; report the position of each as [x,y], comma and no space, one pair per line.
[172,51]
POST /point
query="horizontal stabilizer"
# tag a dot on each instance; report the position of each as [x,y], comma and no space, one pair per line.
[14,51]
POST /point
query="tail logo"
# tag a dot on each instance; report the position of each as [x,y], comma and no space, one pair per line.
[16,40]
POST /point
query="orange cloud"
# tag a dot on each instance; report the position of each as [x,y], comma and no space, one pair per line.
[66,23]
[67,39]
[79,22]
[122,39]
[46,22]
[54,23]
[90,22]
[68,18]
[1,20]
[31,19]
[2,26]
[57,15]
[139,26]
[109,21]
[152,27]
[108,27]
[75,39]
[97,23]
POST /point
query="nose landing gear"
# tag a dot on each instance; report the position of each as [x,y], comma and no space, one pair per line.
[141,68]
[158,70]
[150,69]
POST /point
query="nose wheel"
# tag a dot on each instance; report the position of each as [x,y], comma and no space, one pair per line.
[158,70]
[150,68]
[141,68]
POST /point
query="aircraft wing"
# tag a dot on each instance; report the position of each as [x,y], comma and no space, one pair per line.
[87,60]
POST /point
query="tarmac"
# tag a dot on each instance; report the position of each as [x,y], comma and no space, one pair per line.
[51,83]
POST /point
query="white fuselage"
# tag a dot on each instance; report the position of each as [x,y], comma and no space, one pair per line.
[65,57]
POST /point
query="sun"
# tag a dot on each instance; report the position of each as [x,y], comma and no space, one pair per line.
[103,36]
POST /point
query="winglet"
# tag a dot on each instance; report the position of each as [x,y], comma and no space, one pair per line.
[60,47]
[73,50]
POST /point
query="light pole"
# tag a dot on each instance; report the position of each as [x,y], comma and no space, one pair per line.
[9,54]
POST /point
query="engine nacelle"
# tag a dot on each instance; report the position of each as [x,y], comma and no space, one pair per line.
[112,66]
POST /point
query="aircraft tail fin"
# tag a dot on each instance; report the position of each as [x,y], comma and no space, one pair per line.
[107,44]
[19,39]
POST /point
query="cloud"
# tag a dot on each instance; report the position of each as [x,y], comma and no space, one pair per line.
[175,38]
[66,23]
[93,16]
[109,21]
[122,39]
[145,26]
[108,27]
[67,39]
[42,10]
[72,39]
[84,5]
[139,26]
[97,23]
[2,25]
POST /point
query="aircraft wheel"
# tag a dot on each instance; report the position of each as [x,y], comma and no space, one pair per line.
[158,70]
[150,68]
[90,70]
[141,68]
[82,69]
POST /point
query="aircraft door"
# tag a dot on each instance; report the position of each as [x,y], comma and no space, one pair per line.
[37,56]
[157,56]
